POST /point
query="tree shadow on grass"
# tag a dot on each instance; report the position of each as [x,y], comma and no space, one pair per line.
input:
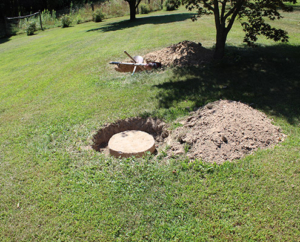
[296,8]
[4,39]
[162,19]
[268,78]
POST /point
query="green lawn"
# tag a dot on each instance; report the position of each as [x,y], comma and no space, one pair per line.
[57,89]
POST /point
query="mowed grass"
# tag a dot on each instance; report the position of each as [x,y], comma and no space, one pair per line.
[57,89]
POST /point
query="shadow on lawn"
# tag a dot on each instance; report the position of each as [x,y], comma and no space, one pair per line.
[4,39]
[296,8]
[162,19]
[268,78]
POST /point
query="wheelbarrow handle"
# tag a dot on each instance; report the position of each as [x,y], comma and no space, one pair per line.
[129,64]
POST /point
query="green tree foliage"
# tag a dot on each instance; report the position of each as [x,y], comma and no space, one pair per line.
[251,13]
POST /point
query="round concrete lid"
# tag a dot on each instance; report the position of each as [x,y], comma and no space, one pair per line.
[131,143]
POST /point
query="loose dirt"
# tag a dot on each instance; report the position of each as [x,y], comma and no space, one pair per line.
[182,54]
[220,131]
[223,131]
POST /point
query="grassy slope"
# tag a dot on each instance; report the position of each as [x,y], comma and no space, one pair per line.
[57,89]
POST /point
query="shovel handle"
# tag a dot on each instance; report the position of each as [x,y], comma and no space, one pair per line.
[129,56]
[133,60]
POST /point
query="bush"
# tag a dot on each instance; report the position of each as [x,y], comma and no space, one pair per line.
[171,5]
[66,21]
[144,8]
[31,28]
[98,16]
[78,19]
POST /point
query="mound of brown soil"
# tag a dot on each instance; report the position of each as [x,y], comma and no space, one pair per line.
[220,131]
[224,130]
[181,54]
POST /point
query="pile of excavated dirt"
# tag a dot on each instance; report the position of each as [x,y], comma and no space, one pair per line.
[185,53]
[224,131]
[220,131]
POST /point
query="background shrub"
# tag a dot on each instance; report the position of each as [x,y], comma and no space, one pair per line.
[98,16]
[31,28]
[66,21]
[78,19]
[144,8]
[171,5]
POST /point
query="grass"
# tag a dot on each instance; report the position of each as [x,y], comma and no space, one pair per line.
[57,89]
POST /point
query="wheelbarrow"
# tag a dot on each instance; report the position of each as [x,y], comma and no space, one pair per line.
[136,65]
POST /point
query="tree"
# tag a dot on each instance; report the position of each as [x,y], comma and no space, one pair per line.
[133,4]
[251,13]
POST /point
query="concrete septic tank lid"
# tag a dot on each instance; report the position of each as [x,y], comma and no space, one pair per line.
[131,143]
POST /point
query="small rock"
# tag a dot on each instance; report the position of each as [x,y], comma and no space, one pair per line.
[224,139]
[210,106]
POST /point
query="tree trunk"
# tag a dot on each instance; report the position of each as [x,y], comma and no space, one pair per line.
[7,33]
[220,44]
[132,9]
